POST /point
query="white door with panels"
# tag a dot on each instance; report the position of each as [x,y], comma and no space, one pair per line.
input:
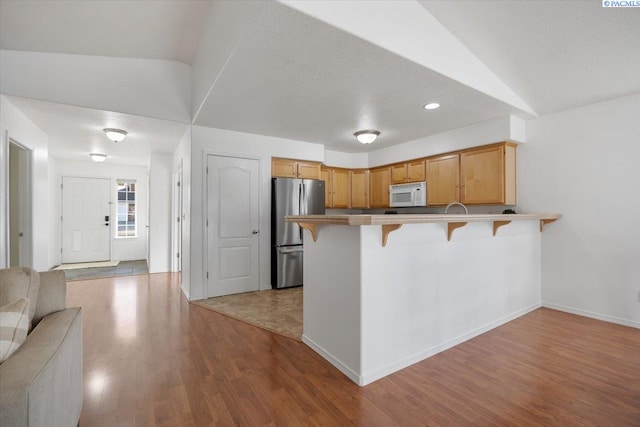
[232,225]
[86,214]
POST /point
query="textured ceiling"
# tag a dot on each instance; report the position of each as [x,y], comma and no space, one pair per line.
[295,77]
[74,132]
[168,29]
[555,54]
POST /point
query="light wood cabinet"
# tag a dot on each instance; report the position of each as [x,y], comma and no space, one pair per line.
[380,179]
[325,175]
[443,180]
[309,170]
[290,168]
[412,171]
[360,188]
[337,187]
[488,175]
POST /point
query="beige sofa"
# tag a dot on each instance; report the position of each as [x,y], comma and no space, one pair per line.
[41,383]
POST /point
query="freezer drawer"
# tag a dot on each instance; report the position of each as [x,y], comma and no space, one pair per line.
[288,266]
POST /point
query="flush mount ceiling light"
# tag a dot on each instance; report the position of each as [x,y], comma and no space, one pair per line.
[431,106]
[116,135]
[98,158]
[366,136]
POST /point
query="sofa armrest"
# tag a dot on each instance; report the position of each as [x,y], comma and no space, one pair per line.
[52,295]
[42,381]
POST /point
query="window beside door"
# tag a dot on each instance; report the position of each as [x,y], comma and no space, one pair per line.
[126,208]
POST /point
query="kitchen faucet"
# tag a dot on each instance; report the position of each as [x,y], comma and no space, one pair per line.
[446,210]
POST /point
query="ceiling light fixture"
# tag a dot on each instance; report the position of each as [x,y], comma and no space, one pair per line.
[366,136]
[97,157]
[431,106]
[116,135]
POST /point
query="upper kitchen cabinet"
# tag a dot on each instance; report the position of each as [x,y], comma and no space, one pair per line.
[289,168]
[325,175]
[337,187]
[488,175]
[380,179]
[443,179]
[360,188]
[412,171]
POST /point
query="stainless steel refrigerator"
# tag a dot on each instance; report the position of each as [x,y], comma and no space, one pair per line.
[290,196]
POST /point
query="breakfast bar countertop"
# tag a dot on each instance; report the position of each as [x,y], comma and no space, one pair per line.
[393,222]
[382,219]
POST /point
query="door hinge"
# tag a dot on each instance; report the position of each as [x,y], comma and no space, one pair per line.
[60,217]
[178,183]
[60,186]
[178,255]
[60,250]
[207,222]
[178,219]
[207,274]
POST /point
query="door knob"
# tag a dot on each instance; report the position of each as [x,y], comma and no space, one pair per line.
[255,231]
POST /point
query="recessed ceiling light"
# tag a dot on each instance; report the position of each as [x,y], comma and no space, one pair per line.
[98,158]
[431,106]
[116,135]
[366,136]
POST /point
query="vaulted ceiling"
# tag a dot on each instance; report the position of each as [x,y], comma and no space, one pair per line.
[319,71]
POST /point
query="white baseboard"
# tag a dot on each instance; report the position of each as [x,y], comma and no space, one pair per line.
[185,293]
[598,316]
[368,378]
[352,375]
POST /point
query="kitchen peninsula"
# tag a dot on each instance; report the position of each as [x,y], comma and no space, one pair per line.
[382,292]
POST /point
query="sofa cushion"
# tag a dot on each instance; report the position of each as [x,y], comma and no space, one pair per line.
[14,325]
[19,282]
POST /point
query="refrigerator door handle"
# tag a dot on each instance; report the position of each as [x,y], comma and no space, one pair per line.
[289,251]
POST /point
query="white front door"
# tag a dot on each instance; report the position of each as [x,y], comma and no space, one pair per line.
[233,220]
[86,219]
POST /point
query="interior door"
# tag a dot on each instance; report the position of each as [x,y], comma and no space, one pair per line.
[233,220]
[20,236]
[86,219]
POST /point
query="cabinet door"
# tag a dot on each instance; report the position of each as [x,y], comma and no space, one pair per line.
[482,172]
[284,168]
[325,175]
[308,170]
[360,189]
[380,181]
[443,177]
[341,188]
[399,173]
[416,171]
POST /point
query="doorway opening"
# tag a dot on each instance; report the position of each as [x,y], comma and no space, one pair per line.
[20,234]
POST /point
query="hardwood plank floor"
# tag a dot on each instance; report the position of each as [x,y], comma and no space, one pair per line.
[151,358]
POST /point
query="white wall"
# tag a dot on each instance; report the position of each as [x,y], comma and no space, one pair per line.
[182,158]
[218,141]
[583,163]
[16,126]
[122,249]
[346,160]
[483,133]
[160,213]
[146,87]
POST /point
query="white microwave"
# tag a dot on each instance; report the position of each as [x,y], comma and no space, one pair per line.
[412,194]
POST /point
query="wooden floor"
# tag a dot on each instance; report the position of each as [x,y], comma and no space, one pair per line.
[151,358]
